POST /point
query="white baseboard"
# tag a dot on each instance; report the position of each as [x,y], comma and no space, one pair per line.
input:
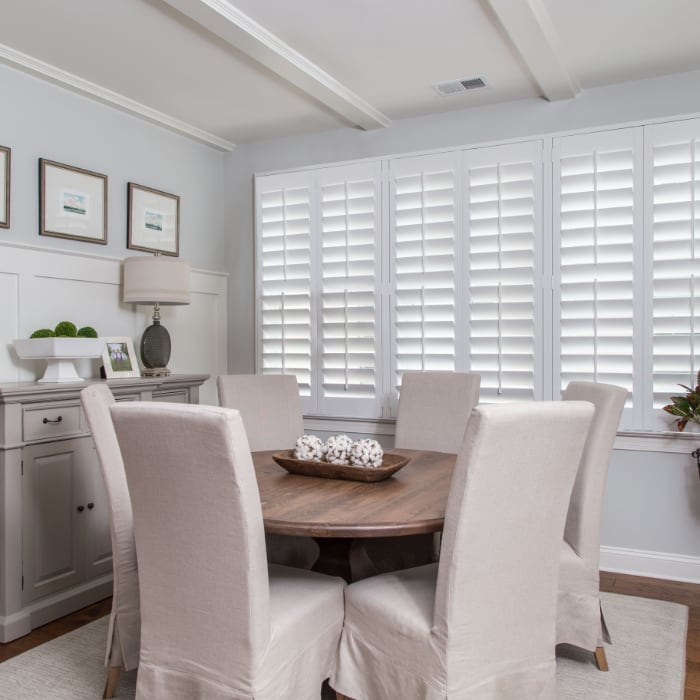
[674,567]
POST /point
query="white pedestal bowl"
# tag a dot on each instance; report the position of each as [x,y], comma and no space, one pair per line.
[59,354]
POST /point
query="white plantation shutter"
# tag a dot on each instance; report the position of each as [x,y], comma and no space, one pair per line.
[284,220]
[503,232]
[446,261]
[597,229]
[350,279]
[675,260]
[425,220]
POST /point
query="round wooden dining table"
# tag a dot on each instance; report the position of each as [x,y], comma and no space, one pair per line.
[340,514]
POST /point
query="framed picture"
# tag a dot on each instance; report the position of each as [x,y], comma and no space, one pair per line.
[4,187]
[72,202]
[119,358]
[154,220]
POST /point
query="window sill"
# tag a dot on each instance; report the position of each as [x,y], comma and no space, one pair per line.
[639,441]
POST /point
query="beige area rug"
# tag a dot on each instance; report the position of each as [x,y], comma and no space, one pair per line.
[647,660]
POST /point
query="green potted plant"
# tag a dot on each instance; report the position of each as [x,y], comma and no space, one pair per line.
[686,408]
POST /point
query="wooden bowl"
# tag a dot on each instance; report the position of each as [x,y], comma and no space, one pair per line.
[306,467]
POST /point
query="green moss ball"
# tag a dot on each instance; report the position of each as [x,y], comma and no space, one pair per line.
[66,329]
[87,332]
[43,333]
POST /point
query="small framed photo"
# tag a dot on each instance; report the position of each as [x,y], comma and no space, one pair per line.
[153,220]
[4,187]
[72,202]
[119,358]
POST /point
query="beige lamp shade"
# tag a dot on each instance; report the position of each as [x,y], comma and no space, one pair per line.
[156,279]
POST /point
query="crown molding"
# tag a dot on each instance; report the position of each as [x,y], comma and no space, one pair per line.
[76,84]
[240,31]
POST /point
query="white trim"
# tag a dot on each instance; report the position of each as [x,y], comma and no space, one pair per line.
[246,35]
[113,99]
[638,562]
[671,443]
[658,442]
[94,256]
[539,136]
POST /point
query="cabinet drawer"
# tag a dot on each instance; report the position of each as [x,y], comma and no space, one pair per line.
[46,422]
[173,396]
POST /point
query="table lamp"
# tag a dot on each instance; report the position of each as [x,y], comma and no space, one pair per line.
[156,280]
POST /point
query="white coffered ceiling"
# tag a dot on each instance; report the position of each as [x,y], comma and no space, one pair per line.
[230,72]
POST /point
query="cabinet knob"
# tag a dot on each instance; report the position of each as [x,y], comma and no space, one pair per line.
[91,506]
[81,509]
[48,420]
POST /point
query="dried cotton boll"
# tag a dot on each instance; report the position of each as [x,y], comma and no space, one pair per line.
[366,453]
[338,449]
[309,447]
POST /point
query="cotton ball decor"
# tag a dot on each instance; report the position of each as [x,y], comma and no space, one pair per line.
[366,453]
[338,449]
[309,447]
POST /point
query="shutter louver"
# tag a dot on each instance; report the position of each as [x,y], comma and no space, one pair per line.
[284,268]
[598,214]
[675,261]
[503,202]
[350,278]
[424,233]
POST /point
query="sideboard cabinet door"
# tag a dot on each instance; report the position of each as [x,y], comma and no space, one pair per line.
[65,538]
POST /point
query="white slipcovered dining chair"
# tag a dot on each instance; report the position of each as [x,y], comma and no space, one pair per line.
[434,408]
[216,623]
[580,618]
[480,623]
[432,414]
[270,407]
[125,619]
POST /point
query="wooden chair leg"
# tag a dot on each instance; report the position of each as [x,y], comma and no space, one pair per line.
[600,659]
[112,681]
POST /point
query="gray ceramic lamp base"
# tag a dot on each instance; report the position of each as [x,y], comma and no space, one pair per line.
[155,351]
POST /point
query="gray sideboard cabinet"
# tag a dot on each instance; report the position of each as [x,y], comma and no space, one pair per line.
[55,546]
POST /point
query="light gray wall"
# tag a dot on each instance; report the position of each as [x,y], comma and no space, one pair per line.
[42,120]
[652,501]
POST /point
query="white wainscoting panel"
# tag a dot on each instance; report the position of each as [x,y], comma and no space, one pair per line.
[9,322]
[41,287]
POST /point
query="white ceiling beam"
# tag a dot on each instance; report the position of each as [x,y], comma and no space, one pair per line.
[243,33]
[530,29]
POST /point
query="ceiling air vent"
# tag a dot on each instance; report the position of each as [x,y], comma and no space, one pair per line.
[455,86]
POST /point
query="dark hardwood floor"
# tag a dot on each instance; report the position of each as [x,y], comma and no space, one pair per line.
[55,629]
[685,593]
